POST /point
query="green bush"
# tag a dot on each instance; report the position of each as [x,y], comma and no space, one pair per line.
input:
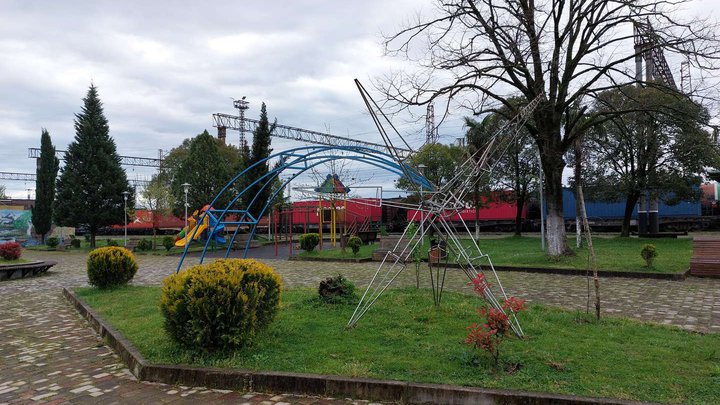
[52,242]
[145,244]
[308,241]
[168,242]
[337,290]
[648,253]
[221,305]
[354,243]
[111,266]
[111,242]
[75,243]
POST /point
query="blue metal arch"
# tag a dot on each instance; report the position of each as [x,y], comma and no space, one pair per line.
[299,160]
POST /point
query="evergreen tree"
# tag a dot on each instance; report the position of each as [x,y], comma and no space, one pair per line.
[206,170]
[46,173]
[260,150]
[91,184]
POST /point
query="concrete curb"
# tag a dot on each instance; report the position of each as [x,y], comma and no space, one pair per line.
[315,384]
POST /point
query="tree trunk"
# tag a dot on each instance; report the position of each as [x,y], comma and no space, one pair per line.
[92,238]
[553,165]
[518,215]
[630,202]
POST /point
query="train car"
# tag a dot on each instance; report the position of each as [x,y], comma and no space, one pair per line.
[608,215]
[305,214]
[142,224]
[497,214]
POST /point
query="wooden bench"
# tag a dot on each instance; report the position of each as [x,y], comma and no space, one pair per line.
[25,269]
[705,260]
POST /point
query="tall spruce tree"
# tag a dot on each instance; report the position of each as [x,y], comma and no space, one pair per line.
[260,150]
[91,184]
[46,174]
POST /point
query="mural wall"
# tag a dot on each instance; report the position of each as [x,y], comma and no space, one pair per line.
[15,223]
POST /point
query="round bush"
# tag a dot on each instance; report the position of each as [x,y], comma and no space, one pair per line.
[168,242]
[145,244]
[649,253]
[354,243]
[336,290]
[308,241]
[221,305]
[52,242]
[110,267]
[10,251]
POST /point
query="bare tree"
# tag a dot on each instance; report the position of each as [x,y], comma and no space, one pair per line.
[479,54]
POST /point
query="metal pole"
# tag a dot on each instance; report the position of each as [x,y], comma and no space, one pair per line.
[186,188]
[125,197]
[542,211]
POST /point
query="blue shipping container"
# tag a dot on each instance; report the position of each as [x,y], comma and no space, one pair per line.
[616,210]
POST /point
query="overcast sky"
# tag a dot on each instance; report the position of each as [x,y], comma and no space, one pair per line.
[163,68]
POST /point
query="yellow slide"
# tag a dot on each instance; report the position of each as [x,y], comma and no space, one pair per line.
[188,231]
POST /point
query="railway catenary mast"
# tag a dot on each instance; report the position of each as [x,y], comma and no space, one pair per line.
[648,49]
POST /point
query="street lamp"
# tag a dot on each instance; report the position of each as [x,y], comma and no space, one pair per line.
[125,197]
[186,187]
[421,169]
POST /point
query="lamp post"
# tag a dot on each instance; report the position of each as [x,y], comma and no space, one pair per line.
[186,188]
[125,197]
[421,169]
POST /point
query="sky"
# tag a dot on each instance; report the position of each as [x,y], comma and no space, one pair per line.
[163,68]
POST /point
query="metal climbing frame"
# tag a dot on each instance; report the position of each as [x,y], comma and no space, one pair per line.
[293,162]
[442,204]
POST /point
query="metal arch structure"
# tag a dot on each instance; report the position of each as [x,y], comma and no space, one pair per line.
[293,162]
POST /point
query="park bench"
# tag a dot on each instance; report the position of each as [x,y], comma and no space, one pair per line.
[25,269]
[705,260]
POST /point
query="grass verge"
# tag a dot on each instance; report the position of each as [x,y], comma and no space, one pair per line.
[403,337]
[337,253]
[5,262]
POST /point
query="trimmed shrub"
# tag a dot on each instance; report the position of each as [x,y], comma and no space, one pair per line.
[649,253]
[10,251]
[168,242]
[221,305]
[145,244]
[308,241]
[75,243]
[52,242]
[111,266]
[337,290]
[112,242]
[354,243]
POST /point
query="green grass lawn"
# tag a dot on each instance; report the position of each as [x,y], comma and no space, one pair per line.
[403,337]
[337,253]
[613,253]
[16,261]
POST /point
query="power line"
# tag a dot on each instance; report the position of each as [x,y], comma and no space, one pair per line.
[13,176]
[34,153]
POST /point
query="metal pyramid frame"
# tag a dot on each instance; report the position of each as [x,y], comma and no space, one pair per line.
[443,203]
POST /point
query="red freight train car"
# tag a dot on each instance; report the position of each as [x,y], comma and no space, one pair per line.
[492,213]
[306,212]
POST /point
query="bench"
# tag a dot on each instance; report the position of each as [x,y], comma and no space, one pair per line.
[705,260]
[25,269]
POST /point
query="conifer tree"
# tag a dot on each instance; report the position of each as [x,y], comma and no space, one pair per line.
[260,150]
[46,174]
[91,184]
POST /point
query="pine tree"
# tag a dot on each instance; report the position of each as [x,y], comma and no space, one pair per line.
[46,174]
[91,184]
[260,150]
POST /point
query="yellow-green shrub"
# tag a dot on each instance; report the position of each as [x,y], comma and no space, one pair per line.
[111,266]
[220,305]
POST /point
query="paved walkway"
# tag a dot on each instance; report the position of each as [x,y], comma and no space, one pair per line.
[50,355]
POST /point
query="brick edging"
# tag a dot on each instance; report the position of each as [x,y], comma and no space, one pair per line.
[314,384]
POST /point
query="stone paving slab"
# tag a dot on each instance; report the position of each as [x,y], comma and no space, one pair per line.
[49,355]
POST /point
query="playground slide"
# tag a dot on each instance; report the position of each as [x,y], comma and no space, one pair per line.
[187,233]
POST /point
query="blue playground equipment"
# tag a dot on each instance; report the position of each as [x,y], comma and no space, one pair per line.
[293,162]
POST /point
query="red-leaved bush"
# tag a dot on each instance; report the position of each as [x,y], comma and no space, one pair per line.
[10,251]
[489,334]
